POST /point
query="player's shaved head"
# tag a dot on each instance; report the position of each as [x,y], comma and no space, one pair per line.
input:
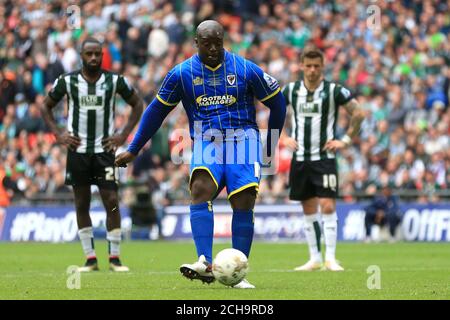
[209,40]
[209,27]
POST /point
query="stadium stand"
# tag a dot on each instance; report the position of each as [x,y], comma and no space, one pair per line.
[400,73]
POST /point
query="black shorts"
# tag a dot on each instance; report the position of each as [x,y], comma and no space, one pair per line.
[86,169]
[309,179]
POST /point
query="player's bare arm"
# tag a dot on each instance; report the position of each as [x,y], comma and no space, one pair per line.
[62,136]
[115,141]
[357,117]
[285,139]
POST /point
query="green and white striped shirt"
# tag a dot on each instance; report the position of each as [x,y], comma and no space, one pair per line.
[314,117]
[91,106]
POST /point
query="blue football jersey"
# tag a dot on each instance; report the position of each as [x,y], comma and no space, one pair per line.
[218,98]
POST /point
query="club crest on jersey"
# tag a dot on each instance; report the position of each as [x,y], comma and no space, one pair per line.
[231,79]
[197,81]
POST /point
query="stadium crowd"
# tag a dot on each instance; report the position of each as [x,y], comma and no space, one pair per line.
[398,67]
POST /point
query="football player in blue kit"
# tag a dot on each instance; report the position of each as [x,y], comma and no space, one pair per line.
[217,89]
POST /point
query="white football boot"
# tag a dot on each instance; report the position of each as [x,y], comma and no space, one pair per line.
[311,265]
[333,265]
[116,266]
[244,284]
[200,270]
[89,266]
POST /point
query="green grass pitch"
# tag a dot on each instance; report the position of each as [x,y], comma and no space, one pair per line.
[408,271]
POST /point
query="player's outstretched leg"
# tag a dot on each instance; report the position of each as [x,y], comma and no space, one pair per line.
[203,189]
[202,225]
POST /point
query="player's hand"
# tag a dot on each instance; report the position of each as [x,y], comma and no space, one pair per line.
[124,158]
[290,143]
[68,140]
[334,145]
[266,161]
[112,143]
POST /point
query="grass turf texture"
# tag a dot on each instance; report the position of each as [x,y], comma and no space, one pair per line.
[408,271]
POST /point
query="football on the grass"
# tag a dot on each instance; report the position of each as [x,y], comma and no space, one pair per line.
[230,266]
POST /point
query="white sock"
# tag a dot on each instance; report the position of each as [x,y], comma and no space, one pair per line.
[312,233]
[330,235]
[86,236]
[114,237]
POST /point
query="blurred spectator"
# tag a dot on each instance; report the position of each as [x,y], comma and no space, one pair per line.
[158,43]
[383,210]
[4,195]
[7,91]
[32,122]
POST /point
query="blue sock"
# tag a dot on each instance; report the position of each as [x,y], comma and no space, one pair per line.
[242,230]
[202,225]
